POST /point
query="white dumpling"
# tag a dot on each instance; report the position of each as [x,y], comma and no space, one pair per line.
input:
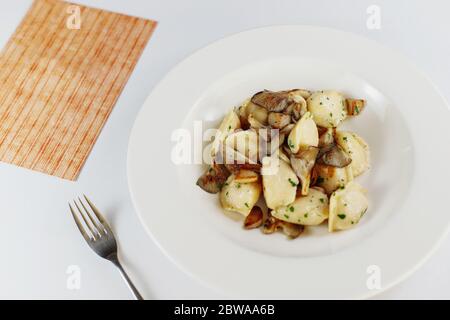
[347,206]
[307,210]
[327,108]
[238,196]
[357,149]
[245,143]
[331,178]
[304,134]
[279,182]
[230,123]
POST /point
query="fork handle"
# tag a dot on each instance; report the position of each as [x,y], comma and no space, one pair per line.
[114,259]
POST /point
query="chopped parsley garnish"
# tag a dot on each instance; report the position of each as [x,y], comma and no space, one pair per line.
[345,138]
[238,185]
[305,215]
[246,204]
[362,213]
[322,200]
[293,183]
[356,110]
[291,145]
[331,114]
[320,180]
[291,209]
[341,216]
[286,216]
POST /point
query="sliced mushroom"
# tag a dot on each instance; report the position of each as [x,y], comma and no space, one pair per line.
[254,123]
[326,137]
[286,130]
[355,106]
[300,92]
[333,155]
[278,120]
[282,155]
[258,112]
[254,218]
[248,108]
[272,101]
[273,224]
[302,163]
[237,167]
[214,178]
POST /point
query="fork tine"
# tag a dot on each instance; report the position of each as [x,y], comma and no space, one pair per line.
[97,226]
[93,232]
[86,236]
[98,214]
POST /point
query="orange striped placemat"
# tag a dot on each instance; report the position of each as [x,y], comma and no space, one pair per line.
[61,73]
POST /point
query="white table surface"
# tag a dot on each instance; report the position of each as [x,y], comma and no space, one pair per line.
[38,238]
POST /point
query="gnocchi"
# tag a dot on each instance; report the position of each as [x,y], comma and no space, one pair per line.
[347,206]
[357,149]
[328,108]
[309,210]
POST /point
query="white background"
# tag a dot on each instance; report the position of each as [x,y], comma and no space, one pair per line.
[38,238]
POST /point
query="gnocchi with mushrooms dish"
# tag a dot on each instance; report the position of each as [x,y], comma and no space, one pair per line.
[280,160]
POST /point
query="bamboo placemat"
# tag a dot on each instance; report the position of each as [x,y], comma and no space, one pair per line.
[59,80]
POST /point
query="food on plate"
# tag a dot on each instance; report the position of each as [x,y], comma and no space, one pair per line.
[281,161]
[239,196]
[309,210]
[328,108]
[347,206]
[357,149]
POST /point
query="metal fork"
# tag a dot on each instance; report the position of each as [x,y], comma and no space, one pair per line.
[99,236]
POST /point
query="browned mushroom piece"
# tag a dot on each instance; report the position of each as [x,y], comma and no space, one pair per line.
[254,218]
[326,136]
[278,120]
[302,163]
[254,123]
[290,229]
[304,93]
[333,155]
[355,106]
[214,178]
[236,167]
[273,224]
[286,130]
[270,225]
[272,101]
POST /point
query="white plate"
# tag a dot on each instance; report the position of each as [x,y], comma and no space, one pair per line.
[405,123]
